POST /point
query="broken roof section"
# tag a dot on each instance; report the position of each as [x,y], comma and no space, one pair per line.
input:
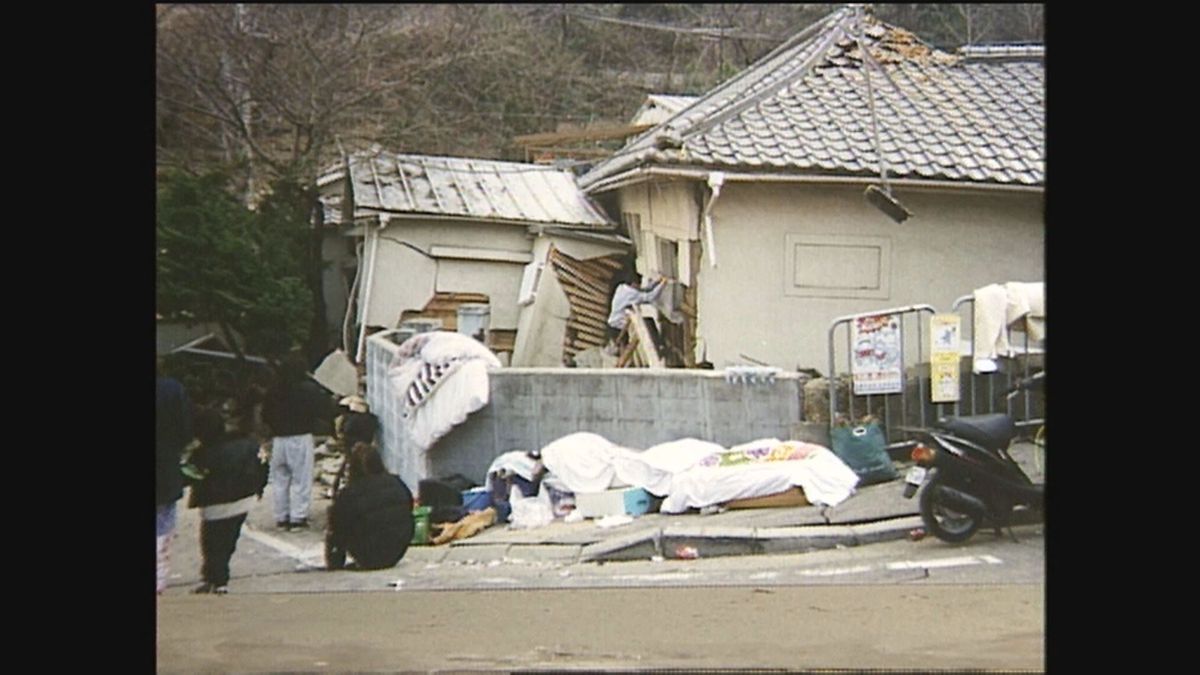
[660,107]
[478,189]
[804,108]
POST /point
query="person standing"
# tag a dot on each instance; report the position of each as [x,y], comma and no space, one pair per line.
[231,476]
[173,432]
[294,409]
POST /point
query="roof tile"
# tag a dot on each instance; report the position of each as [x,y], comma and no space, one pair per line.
[978,119]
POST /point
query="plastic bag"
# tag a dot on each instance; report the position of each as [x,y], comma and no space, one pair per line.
[529,512]
[864,449]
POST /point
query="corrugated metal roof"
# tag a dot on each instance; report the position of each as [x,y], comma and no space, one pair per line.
[480,189]
[804,109]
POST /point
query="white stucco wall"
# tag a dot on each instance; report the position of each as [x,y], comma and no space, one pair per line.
[406,280]
[954,243]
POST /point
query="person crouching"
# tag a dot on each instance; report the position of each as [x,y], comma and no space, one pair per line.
[230,475]
[371,518]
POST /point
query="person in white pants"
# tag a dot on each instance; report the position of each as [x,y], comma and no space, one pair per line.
[294,409]
[292,460]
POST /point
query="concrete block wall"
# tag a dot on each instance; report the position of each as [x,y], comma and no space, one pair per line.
[637,408]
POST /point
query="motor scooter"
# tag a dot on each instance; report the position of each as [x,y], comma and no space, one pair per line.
[968,475]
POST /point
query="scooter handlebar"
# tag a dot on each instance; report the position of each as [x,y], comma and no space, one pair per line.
[1026,383]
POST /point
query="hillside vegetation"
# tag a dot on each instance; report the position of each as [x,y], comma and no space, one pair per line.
[278,90]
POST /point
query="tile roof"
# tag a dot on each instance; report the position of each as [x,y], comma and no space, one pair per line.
[977,116]
[478,189]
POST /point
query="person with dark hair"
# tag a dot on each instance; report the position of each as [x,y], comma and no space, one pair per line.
[371,518]
[231,474]
[354,427]
[294,409]
[173,432]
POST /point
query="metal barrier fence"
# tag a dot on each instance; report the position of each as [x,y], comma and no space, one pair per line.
[911,405]
[895,409]
[984,393]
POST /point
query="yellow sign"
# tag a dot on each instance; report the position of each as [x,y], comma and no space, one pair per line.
[944,357]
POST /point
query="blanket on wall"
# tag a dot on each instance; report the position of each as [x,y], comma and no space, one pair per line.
[441,377]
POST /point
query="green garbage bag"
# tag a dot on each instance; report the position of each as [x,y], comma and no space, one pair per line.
[864,449]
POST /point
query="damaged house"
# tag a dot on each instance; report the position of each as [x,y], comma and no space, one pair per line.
[516,250]
[752,196]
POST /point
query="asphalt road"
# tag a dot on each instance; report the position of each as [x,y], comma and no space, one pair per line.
[905,604]
[909,626]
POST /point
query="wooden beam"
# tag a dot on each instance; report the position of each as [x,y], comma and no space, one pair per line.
[646,348]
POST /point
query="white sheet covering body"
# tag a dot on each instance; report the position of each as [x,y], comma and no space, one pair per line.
[583,461]
[443,377]
[691,473]
[762,468]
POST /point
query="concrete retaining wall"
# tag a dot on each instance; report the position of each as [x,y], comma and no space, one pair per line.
[637,408]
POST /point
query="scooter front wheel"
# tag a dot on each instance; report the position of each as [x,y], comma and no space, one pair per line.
[947,518]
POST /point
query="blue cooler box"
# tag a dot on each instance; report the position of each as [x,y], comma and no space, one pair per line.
[476,499]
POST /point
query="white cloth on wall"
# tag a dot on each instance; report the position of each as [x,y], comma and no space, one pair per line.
[996,308]
[990,338]
[1027,301]
[441,378]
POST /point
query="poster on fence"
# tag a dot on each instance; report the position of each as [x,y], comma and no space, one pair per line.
[944,357]
[876,364]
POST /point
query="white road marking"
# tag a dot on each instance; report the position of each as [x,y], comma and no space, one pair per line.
[835,571]
[310,556]
[903,565]
[670,576]
[944,562]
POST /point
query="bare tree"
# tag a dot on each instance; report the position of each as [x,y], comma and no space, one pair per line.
[268,86]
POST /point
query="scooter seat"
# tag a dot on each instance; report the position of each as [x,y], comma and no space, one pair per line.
[993,432]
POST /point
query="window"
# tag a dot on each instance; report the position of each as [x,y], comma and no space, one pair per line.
[668,257]
[837,266]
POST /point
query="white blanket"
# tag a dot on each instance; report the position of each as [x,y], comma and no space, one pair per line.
[583,461]
[996,308]
[441,377]
[688,471]
[824,478]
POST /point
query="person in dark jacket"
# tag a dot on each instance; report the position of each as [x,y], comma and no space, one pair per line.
[173,432]
[371,518]
[294,409]
[233,475]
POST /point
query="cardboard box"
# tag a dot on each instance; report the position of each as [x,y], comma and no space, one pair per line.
[622,501]
[792,497]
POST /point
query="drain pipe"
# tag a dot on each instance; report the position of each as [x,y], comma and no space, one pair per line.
[715,180]
[369,285]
